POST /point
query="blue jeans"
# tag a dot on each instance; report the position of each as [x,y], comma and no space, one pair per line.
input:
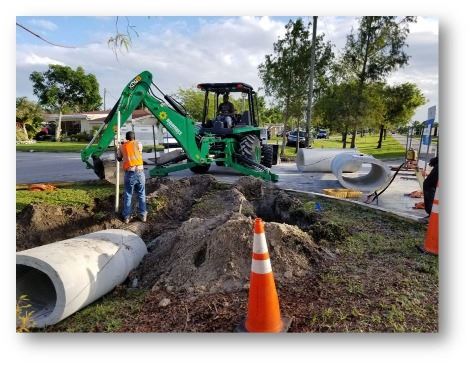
[134,180]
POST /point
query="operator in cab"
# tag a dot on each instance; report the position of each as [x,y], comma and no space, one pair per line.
[226,111]
[130,152]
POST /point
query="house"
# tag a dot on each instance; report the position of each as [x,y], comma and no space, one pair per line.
[141,122]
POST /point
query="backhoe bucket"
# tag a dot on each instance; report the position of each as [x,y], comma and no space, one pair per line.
[106,170]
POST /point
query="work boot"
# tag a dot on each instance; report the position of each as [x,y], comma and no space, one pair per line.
[126,220]
[143,217]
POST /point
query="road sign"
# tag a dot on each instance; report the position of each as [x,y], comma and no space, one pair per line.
[431,112]
[427,135]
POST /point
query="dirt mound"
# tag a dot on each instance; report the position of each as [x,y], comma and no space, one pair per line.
[205,255]
[173,199]
[36,223]
[39,224]
[211,251]
[199,232]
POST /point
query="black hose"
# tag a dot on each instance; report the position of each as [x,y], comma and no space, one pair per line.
[375,195]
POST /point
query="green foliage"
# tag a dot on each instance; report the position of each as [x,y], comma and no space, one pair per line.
[61,87]
[376,48]
[29,117]
[341,106]
[23,314]
[193,101]
[372,52]
[401,102]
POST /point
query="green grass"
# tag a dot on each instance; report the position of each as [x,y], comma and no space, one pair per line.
[107,314]
[378,281]
[68,147]
[78,194]
[367,144]
[52,147]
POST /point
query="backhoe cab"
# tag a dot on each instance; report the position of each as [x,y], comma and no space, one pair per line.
[235,142]
[242,124]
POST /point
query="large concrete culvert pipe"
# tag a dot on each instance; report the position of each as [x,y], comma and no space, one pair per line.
[62,277]
[376,178]
[320,159]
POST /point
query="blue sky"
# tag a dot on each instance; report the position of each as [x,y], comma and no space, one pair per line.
[184,51]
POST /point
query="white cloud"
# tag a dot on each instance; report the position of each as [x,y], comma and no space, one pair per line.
[43,24]
[220,49]
[33,59]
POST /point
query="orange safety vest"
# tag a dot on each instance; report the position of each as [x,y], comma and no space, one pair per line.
[131,154]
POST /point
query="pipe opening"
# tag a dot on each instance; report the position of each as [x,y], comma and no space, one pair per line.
[39,289]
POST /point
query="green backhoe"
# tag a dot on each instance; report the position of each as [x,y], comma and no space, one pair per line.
[236,142]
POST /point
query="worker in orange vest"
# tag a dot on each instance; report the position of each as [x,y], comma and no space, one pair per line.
[130,153]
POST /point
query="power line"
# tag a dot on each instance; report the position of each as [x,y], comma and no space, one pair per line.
[41,38]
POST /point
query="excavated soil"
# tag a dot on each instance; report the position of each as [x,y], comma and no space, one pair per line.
[199,237]
[199,232]
[210,252]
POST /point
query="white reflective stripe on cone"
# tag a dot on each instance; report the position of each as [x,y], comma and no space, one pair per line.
[261,266]
[259,243]
[435,208]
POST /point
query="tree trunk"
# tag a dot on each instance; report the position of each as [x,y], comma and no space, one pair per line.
[297,137]
[384,134]
[311,81]
[354,137]
[58,126]
[362,132]
[25,131]
[344,138]
[380,140]
[285,125]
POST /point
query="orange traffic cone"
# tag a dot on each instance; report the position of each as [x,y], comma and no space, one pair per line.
[263,306]
[431,237]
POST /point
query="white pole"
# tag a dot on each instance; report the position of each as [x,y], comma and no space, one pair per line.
[118,136]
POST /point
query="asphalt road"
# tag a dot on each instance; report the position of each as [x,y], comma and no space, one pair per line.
[33,167]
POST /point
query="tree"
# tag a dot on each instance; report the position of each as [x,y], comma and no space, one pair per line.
[338,107]
[374,51]
[401,102]
[284,72]
[193,101]
[62,87]
[29,116]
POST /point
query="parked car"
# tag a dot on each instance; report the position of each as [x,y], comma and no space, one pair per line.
[322,134]
[293,138]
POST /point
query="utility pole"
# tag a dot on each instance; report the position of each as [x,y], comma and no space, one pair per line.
[311,81]
[104,98]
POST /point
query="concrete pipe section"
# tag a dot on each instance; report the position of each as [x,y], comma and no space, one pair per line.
[320,159]
[376,178]
[62,277]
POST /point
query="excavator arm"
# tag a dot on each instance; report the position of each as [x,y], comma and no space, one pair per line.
[135,94]
[197,149]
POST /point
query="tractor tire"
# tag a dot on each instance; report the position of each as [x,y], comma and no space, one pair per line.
[200,169]
[267,155]
[250,147]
